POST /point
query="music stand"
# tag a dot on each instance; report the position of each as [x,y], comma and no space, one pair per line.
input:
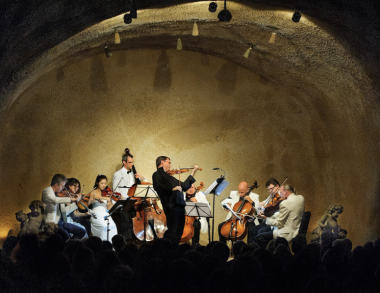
[145,192]
[122,205]
[216,188]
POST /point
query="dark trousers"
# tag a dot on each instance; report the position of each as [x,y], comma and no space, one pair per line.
[65,229]
[84,221]
[175,221]
[263,239]
[197,233]
[124,224]
[253,231]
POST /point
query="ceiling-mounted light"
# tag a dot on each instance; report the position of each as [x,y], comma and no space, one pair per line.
[296,16]
[195,29]
[127,18]
[108,51]
[212,7]
[179,44]
[117,37]
[246,54]
[133,9]
[225,15]
[272,39]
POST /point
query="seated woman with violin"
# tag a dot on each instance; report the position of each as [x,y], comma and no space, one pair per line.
[72,188]
[101,202]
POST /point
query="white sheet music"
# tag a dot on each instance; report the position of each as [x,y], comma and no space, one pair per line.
[211,187]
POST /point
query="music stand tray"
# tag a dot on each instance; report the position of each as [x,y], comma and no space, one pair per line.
[145,191]
[198,209]
[125,205]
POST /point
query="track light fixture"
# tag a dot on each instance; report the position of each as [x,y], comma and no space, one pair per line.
[108,51]
[133,9]
[246,54]
[212,7]
[272,39]
[195,29]
[179,44]
[225,15]
[127,18]
[296,16]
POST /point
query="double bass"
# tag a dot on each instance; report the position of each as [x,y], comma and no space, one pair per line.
[236,228]
[188,230]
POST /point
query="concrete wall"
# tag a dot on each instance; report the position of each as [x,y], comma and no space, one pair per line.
[196,109]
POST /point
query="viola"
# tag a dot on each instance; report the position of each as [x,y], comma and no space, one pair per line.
[236,228]
[108,192]
[188,230]
[272,203]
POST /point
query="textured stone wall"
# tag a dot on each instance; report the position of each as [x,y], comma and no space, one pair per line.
[196,109]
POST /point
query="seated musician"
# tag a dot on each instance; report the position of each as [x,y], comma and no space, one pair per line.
[125,177]
[201,223]
[77,218]
[273,188]
[56,211]
[287,221]
[236,196]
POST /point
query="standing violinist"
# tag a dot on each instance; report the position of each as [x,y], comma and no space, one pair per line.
[201,223]
[273,188]
[126,177]
[235,197]
[169,190]
[56,211]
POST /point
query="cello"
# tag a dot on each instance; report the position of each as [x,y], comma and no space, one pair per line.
[236,227]
[188,230]
[150,220]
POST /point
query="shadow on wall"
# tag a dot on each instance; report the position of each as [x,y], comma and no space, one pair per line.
[226,77]
[98,79]
[163,78]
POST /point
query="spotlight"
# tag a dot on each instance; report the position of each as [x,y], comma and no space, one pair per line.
[195,29]
[179,44]
[225,15]
[117,37]
[246,54]
[296,16]
[272,39]
[108,51]
[212,7]
[127,18]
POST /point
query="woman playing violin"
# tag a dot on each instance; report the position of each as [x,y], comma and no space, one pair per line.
[72,188]
[100,206]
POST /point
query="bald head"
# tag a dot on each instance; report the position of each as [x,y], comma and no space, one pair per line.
[243,188]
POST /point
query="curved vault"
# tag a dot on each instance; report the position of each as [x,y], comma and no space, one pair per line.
[310,62]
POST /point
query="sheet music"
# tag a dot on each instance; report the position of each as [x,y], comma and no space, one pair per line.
[211,187]
[221,187]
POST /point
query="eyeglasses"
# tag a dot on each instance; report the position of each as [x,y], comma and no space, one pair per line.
[270,189]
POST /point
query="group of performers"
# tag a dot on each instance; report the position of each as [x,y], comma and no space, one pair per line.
[63,197]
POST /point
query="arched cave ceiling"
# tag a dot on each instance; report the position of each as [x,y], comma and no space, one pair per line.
[34,35]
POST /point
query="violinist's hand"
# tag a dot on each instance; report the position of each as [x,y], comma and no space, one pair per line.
[138,175]
[193,199]
[247,198]
[179,188]
[73,199]
[196,167]
[89,212]
[261,216]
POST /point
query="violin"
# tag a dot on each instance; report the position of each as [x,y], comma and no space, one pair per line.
[272,203]
[236,228]
[66,193]
[82,204]
[181,170]
[108,192]
[188,230]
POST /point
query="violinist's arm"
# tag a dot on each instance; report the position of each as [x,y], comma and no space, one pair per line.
[109,202]
[280,220]
[79,214]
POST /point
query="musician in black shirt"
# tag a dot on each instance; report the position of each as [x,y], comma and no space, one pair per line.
[170,192]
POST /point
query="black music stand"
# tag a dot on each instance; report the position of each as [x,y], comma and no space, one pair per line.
[215,188]
[145,192]
[122,205]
